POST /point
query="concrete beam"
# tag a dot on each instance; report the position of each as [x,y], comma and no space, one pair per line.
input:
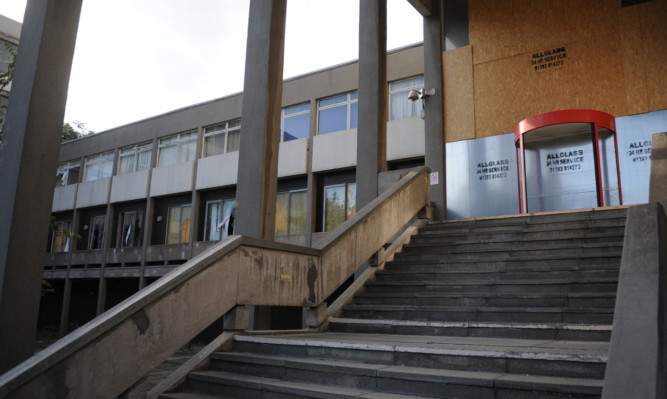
[372,127]
[657,191]
[260,123]
[424,7]
[28,160]
[638,351]
[434,125]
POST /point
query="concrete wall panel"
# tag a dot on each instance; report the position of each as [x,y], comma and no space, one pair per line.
[405,139]
[171,179]
[93,193]
[217,170]
[63,198]
[130,186]
[335,150]
[293,158]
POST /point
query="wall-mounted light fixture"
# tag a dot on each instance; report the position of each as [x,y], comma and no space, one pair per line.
[159,218]
[85,227]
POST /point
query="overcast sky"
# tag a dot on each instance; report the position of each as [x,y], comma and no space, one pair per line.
[139,58]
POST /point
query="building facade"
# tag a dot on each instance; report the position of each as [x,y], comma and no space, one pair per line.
[10,31]
[142,198]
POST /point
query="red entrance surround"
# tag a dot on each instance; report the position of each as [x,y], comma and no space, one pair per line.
[536,124]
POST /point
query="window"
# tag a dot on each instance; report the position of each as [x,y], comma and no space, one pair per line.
[68,173]
[60,240]
[98,166]
[222,138]
[339,204]
[291,213]
[131,229]
[178,228]
[295,122]
[180,147]
[219,219]
[337,113]
[96,232]
[135,158]
[400,106]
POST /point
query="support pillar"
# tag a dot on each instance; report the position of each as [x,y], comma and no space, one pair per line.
[257,180]
[372,127]
[28,160]
[433,110]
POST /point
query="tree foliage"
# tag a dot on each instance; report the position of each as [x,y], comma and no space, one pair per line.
[74,132]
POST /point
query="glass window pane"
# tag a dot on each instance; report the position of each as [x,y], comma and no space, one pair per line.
[214,145]
[168,155]
[126,164]
[296,127]
[228,217]
[185,223]
[282,214]
[233,140]
[333,100]
[73,174]
[332,120]
[407,83]
[129,219]
[351,204]
[96,238]
[334,207]
[213,221]
[354,111]
[58,238]
[297,213]
[106,165]
[145,159]
[297,108]
[188,151]
[174,226]
[354,95]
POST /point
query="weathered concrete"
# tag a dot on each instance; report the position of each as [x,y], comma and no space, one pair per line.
[149,326]
[658,184]
[260,123]
[28,160]
[637,355]
[433,109]
[372,129]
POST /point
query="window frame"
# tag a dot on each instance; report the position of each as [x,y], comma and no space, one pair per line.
[290,193]
[284,115]
[222,203]
[91,230]
[406,90]
[134,150]
[181,221]
[226,130]
[352,97]
[98,160]
[347,205]
[139,215]
[180,140]
[64,225]
[66,167]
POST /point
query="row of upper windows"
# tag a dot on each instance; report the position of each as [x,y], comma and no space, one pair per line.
[333,114]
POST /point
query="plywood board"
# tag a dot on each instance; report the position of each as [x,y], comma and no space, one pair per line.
[632,53]
[491,25]
[458,89]
[539,24]
[653,17]
[509,90]
[589,18]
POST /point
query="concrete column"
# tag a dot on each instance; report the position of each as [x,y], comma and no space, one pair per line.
[28,160]
[657,191]
[260,123]
[64,313]
[372,128]
[434,120]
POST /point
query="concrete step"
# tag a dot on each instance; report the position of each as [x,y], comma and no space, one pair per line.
[493,314]
[497,286]
[511,244]
[455,275]
[451,254]
[510,266]
[541,331]
[565,299]
[500,226]
[516,233]
[367,354]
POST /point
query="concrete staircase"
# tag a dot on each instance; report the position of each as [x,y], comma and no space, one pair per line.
[514,307]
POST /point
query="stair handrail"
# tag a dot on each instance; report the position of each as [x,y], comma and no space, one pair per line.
[110,353]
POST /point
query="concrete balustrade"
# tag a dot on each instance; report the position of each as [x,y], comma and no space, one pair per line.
[109,354]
